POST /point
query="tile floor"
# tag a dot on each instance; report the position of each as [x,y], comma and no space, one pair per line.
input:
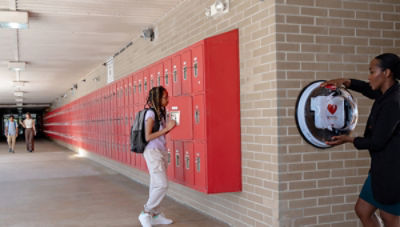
[54,187]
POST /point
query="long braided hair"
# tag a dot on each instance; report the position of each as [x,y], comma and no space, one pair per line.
[154,101]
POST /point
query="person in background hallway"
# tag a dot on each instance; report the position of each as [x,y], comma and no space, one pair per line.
[30,132]
[381,189]
[11,132]
[156,156]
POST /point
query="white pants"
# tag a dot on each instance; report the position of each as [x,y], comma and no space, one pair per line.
[157,164]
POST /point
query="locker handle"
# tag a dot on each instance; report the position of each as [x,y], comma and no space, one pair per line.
[166,77]
[197,161]
[140,87]
[151,83]
[175,74]
[177,161]
[169,157]
[145,85]
[185,72]
[187,161]
[196,71]
[158,79]
[197,116]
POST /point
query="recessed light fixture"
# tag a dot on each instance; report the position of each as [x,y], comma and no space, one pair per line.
[13,19]
[16,65]
[19,93]
[19,83]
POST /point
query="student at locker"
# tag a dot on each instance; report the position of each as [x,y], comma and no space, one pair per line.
[381,189]
[11,132]
[155,155]
[30,132]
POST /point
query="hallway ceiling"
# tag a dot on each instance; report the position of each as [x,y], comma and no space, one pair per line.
[66,39]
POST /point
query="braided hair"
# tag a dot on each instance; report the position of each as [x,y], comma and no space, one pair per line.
[154,101]
[390,61]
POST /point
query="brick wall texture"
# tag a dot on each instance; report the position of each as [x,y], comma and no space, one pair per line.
[284,45]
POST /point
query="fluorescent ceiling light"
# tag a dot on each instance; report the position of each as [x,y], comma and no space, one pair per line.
[19,93]
[19,99]
[13,19]
[19,103]
[16,65]
[19,83]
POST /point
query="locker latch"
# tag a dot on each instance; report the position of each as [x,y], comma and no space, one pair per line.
[175,74]
[195,67]
[177,160]
[166,77]
[197,115]
[187,160]
[184,71]
[197,161]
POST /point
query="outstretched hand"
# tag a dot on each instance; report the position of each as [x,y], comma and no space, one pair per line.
[337,140]
[337,82]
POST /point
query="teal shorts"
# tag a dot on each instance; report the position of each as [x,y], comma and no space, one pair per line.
[366,194]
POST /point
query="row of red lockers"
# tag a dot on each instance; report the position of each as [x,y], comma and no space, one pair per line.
[100,121]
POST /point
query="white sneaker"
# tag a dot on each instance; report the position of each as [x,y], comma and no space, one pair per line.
[145,219]
[160,219]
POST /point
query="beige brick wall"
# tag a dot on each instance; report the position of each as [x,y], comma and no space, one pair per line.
[284,45]
[320,40]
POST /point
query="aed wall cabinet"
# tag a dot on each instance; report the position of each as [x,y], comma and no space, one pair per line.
[202,81]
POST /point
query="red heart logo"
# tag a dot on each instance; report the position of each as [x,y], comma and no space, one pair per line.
[332,108]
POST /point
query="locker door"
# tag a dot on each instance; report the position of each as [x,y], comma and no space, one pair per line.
[159,74]
[188,163]
[168,75]
[176,77]
[146,84]
[199,120]
[126,92]
[198,68]
[135,89]
[140,88]
[179,172]
[186,64]
[152,80]
[130,93]
[171,160]
[180,109]
[200,166]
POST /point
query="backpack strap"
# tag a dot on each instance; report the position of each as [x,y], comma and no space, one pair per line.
[156,125]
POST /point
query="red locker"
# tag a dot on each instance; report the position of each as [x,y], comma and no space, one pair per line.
[159,74]
[130,91]
[176,75]
[199,124]
[180,109]
[200,166]
[188,164]
[126,92]
[186,64]
[152,80]
[167,63]
[171,160]
[146,83]
[179,171]
[198,68]
[140,88]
